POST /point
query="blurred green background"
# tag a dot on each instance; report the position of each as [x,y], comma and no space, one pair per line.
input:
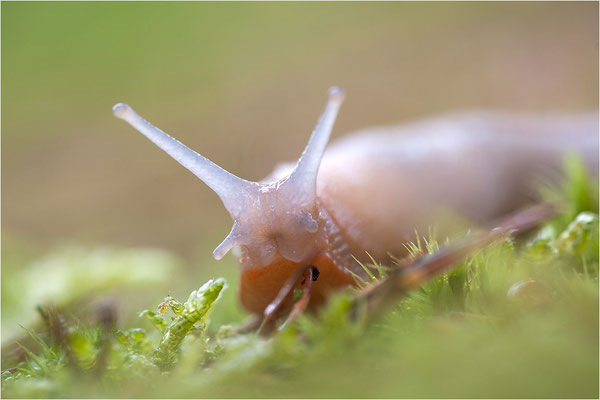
[95,216]
[243,84]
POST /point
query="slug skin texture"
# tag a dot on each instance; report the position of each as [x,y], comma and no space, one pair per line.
[369,192]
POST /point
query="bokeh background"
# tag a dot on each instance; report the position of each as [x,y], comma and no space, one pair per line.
[243,84]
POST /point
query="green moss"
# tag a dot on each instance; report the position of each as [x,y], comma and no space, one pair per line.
[517,319]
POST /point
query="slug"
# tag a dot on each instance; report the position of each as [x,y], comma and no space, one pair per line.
[368,193]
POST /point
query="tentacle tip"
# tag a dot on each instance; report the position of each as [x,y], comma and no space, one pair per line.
[220,252]
[336,94]
[223,248]
[122,111]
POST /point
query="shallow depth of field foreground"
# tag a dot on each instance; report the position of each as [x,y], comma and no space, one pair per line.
[518,319]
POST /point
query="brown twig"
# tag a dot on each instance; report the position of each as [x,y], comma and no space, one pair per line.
[377,296]
[310,275]
[273,309]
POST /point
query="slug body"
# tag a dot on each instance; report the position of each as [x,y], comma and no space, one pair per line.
[370,191]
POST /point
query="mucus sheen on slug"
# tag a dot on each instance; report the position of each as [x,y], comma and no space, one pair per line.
[370,191]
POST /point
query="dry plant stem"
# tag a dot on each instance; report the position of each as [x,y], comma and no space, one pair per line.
[106,315]
[55,323]
[301,304]
[272,310]
[376,297]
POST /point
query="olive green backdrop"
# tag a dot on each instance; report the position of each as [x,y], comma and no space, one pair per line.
[243,84]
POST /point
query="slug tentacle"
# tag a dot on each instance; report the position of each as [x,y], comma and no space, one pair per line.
[228,243]
[375,188]
[271,219]
[233,191]
[302,182]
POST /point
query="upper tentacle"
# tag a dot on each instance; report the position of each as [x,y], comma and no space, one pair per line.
[270,219]
[302,183]
[233,191]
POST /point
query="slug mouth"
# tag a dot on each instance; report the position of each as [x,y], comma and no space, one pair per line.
[274,284]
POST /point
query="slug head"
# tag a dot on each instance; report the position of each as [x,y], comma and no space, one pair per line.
[271,220]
